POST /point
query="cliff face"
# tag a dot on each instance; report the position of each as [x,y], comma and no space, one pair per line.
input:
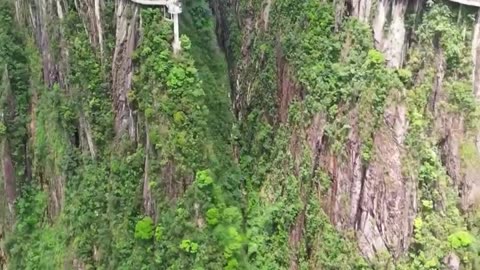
[365,98]
[285,135]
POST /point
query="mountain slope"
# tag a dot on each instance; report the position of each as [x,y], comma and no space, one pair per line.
[285,135]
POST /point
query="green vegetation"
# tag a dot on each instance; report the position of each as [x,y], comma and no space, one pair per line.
[235,162]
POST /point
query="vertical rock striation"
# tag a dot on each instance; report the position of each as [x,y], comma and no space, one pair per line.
[122,67]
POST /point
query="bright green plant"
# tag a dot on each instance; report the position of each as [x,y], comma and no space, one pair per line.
[460,239]
[204,178]
[189,246]
[213,216]
[144,229]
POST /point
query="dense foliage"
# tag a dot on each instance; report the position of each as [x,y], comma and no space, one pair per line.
[217,180]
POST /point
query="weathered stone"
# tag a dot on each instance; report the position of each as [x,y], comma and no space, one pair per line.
[386,207]
[122,67]
[452,261]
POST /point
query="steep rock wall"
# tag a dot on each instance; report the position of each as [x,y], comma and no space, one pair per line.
[378,198]
[122,68]
[353,135]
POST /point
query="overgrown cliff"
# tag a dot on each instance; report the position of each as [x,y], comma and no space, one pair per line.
[285,135]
